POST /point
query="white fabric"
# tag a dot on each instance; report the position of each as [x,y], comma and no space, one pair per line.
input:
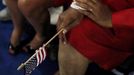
[75,6]
[54,14]
[131,73]
[3,1]
[117,72]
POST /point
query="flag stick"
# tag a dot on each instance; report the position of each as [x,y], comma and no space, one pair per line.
[23,64]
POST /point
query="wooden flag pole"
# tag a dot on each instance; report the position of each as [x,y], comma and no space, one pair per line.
[23,64]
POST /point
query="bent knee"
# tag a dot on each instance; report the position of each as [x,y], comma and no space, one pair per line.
[25,7]
[70,53]
[29,7]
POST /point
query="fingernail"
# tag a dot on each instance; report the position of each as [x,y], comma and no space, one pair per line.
[64,31]
[64,43]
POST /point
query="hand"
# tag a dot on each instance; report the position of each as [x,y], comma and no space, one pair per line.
[97,11]
[68,20]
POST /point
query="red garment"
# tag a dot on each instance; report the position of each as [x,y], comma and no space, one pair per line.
[61,2]
[106,47]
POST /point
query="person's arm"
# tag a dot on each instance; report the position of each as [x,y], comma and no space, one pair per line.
[67,20]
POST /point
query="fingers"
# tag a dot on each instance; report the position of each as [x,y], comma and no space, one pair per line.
[61,24]
[89,5]
[87,13]
[64,36]
[67,20]
[86,1]
[85,4]
[94,1]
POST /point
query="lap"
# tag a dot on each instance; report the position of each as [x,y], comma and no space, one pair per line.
[71,62]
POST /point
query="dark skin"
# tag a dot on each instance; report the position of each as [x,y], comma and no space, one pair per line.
[94,9]
[97,11]
[67,22]
[34,12]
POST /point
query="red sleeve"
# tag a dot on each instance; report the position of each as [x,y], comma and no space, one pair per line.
[123,21]
[131,2]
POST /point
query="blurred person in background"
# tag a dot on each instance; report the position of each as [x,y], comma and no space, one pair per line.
[34,12]
[4,13]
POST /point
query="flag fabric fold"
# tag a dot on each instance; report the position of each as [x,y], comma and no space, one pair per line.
[35,61]
[40,55]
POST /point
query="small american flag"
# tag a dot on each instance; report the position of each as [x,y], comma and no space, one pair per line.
[35,61]
[37,58]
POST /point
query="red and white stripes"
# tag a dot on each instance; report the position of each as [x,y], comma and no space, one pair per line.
[40,55]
